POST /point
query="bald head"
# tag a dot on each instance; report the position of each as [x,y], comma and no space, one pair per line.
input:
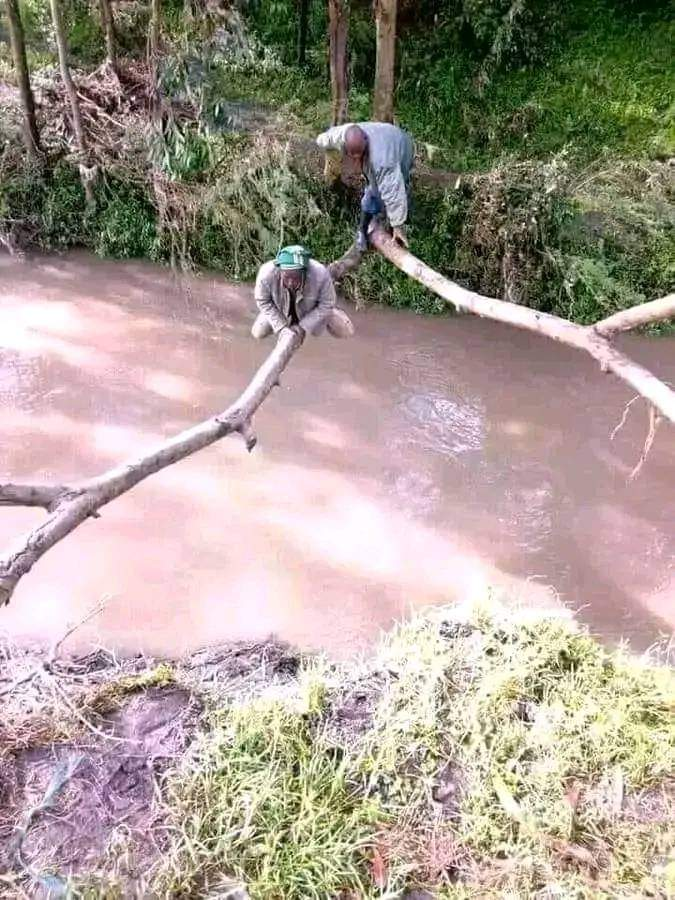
[356,144]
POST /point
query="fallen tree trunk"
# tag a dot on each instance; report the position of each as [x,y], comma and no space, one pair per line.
[68,506]
[338,30]
[594,339]
[71,505]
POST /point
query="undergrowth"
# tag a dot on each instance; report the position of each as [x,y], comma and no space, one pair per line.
[506,755]
[564,116]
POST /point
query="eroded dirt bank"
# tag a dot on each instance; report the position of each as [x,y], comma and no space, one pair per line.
[480,751]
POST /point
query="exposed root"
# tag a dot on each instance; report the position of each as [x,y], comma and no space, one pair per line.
[654,419]
[624,417]
[48,663]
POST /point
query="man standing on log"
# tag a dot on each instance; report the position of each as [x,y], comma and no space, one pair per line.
[384,154]
[295,291]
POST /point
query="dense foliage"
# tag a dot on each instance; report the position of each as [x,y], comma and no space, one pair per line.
[559,116]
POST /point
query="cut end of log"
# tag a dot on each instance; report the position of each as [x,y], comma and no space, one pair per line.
[7,586]
[246,431]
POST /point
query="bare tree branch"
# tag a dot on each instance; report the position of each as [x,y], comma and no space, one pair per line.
[30,494]
[644,314]
[348,262]
[581,337]
[71,506]
[654,420]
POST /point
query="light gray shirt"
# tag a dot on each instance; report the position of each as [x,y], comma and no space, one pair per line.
[313,302]
[391,154]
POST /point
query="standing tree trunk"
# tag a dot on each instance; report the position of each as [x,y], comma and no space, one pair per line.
[109,34]
[155,18]
[30,132]
[154,37]
[87,172]
[303,25]
[338,29]
[385,26]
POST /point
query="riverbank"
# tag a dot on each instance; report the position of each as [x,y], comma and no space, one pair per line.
[550,210]
[478,751]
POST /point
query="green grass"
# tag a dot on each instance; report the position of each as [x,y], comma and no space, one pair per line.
[541,729]
[266,804]
[609,89]
[606,86]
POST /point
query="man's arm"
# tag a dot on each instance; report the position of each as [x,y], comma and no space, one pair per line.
[333,138]
[265,303]
[391,187]
[327,300]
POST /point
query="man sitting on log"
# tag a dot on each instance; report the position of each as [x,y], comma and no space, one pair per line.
[295,291]
[384,154]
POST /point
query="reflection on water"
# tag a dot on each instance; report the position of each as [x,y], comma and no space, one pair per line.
[425,461]
[442,424]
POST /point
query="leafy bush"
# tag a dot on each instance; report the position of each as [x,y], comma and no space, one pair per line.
[85,37]
[47,209]
[66,222]
[125,222]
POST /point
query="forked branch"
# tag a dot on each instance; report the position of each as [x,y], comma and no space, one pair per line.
[70,506]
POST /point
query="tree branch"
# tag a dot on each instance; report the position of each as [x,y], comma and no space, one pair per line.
[70,507]
[44,495]
[644,314]
[587,338]
[348,262]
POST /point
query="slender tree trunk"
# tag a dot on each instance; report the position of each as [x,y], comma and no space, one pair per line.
[87,172]
[155,21]
[385,26]
[30,131]
[154,38]
[71,92]
[303,25]
[109,33]
[338,27]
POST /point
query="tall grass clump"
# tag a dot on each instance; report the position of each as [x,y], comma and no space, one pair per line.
[502,754]
[266,803]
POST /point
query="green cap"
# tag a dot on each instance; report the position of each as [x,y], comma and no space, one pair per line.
[293,257]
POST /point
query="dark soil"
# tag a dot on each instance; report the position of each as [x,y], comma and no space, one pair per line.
[108,816]
[110,794]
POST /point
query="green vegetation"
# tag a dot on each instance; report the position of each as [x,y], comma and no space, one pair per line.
[479,752]
[499,755]
[560,116]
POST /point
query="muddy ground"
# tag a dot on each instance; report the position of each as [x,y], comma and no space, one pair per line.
[84,744]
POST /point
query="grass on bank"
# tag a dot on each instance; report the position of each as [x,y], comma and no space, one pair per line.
[603,85]
[501,756]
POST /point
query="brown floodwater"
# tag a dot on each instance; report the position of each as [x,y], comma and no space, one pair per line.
[426,461]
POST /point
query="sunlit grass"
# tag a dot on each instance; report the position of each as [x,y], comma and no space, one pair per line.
[503,755]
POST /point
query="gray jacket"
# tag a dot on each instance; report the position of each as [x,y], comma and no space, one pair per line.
[314,302]
[391,154]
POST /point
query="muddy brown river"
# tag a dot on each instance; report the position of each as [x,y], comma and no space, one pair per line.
[426,461]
